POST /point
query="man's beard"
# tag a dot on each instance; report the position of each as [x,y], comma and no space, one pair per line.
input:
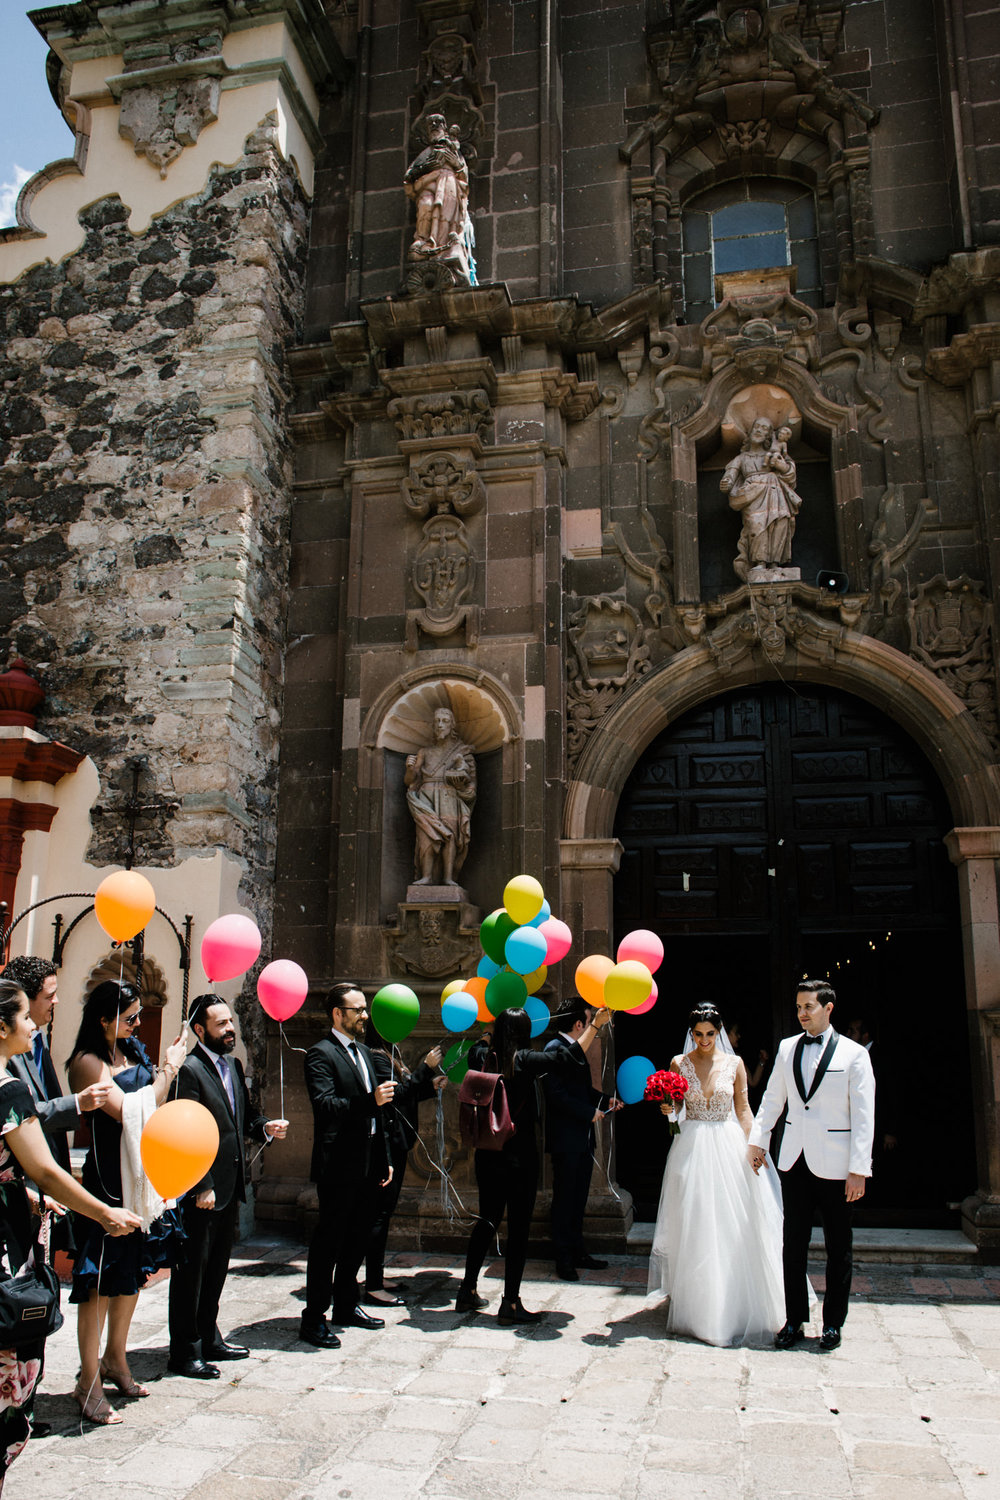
[220,1044]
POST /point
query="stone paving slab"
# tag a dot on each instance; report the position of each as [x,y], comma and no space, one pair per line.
[594,1404]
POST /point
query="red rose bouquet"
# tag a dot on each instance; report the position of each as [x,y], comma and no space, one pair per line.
[663,1087]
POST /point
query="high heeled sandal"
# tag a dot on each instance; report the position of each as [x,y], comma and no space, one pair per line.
[129,1387]
[96,1407]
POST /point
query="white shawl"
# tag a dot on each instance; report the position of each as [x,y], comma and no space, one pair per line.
[138,1193]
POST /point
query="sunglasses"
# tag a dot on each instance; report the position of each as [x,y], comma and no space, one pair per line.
[133,1020]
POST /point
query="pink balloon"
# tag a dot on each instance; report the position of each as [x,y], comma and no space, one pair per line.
[230,945]
[281,988]
[644,946]
[640,1010]
[558,937]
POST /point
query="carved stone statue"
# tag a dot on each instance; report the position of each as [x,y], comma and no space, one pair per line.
[760,483]
[441,793]
[438,182]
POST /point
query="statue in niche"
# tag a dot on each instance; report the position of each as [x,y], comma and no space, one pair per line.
[438,182]
[760,483]
[441,793]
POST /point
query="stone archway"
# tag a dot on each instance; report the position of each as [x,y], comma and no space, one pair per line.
[943,728]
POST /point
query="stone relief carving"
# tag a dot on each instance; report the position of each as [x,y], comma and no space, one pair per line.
[950,622]
[443,574]
[434,945]
[607,653]
[772,618]
[441,793]
[443,482]
[163,108]
[760,484]
[442,414]
[437,181]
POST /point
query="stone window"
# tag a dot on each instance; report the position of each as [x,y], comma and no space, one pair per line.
[748,225]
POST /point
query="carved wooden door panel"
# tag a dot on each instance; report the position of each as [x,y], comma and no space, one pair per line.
[780,831]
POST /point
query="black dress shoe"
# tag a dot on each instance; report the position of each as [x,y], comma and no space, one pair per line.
[356,1317]
[788,1336]
[319,1334]
[227,1351]
[40,1429]
[380,1298]
[193,1369]
[566,1271]
[829,1340]
[590,1263]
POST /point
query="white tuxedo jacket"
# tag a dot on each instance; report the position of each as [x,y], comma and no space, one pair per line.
[834,1124]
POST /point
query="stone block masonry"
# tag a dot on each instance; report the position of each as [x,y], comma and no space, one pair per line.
[145,493]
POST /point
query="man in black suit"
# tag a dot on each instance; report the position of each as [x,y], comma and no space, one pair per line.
[215,1079]
[573,1106]
[58,1112]
[350,1162]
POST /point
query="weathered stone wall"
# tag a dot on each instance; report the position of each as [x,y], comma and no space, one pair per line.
[145,487]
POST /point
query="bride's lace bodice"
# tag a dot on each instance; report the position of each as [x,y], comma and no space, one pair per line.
[720,1106]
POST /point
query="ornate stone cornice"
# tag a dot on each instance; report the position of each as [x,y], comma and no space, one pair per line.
[974,350]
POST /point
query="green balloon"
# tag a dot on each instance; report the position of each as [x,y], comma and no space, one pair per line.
[456,1060]
[493,935]
[395,1012]
[505,991]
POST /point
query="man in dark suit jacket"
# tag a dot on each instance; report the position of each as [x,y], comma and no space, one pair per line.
[350,1162]
[215,1079]
[57,1112]
[573,1106]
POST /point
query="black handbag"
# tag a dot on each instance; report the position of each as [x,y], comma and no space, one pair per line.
[29,1302]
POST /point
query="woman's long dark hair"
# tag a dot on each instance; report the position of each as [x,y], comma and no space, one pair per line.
[511,1033]
[10,1000]
[104,1003]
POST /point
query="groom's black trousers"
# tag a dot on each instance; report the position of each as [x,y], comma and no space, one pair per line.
[803,1196]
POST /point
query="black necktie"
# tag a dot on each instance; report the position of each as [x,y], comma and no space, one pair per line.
[355,1057]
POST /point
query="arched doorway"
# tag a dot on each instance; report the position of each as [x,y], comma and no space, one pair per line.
[778,831]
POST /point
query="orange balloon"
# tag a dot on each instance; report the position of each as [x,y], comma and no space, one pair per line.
[123,904]
[477,989]
[590,976]
[179,1143]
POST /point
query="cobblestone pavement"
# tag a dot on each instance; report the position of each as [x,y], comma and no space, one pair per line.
[595,1403]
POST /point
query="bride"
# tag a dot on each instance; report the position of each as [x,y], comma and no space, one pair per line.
[717,1243]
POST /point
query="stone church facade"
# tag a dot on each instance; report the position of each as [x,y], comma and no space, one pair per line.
[285,474]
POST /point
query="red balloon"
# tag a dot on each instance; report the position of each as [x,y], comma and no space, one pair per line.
[230,945]
[282,988]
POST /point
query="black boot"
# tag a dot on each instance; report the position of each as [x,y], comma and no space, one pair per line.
[512,1310]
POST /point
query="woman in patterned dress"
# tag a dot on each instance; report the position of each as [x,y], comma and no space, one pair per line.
[717,1242]
[24,1151]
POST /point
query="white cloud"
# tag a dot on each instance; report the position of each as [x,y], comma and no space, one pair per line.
[8,196]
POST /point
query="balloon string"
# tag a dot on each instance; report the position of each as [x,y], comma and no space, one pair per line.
[281,1070]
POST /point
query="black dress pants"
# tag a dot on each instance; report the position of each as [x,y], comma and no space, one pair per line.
[803,1195]
[507,1183]
[385,1207]
[197,1280]
[571,1173]
[337,1248]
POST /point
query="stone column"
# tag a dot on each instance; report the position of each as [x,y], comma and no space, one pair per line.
[976,852]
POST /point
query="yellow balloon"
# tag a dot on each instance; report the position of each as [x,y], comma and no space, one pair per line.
[627,985]
[452,988]
[522,898]
[534,981]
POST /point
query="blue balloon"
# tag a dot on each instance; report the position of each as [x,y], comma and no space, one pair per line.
[632,1075]
[459,1011]
[543,915]
[538,1013]
[486,968]
[525,950]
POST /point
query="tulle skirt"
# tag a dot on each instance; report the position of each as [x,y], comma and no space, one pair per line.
[717,1243]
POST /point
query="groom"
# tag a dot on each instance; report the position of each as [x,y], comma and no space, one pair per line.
[826,1154]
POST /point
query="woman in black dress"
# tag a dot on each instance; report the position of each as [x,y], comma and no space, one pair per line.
[508,1179]
[25,1151]
[106,1049]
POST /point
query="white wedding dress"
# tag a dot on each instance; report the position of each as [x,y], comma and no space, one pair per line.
[717,1243]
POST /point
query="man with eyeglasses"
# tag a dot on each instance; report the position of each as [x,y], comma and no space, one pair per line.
[350,1162]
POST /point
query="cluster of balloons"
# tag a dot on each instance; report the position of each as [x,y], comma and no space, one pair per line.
[627,984]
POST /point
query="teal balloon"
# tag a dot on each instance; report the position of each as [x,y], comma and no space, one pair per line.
[455,1063]
[505,992]
[525,950]
[632,1075]
[459,1011]
[538,1014]
[494,933]
[486,968]
[543,915]
[395,1012]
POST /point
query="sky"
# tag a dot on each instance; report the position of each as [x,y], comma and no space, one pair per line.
[32,131]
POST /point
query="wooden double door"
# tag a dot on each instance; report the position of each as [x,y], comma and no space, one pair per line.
[779,832]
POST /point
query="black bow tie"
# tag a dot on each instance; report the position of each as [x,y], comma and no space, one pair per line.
[810,1039]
